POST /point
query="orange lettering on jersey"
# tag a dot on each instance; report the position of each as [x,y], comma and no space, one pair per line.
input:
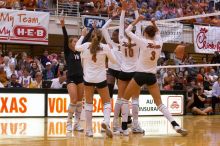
[14,105]
[23,107]
[4,105]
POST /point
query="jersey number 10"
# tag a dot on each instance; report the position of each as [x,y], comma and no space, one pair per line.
[129,52]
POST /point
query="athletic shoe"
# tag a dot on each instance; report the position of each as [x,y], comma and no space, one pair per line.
[89,133]
[116,124]
[77,127]
[69,127]
[125,132]
[107,130]
[180,130]
[137,129]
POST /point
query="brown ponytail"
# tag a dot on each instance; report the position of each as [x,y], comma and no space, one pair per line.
[95,44]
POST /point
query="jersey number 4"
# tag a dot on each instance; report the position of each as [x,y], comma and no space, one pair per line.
[129,52]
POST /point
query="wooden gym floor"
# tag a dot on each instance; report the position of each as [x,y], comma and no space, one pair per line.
[203,131]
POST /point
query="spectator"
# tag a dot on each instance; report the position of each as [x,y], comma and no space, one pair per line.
[198,100]
[1,58]
[216,58]
[25,80]
[11,71]
[48,74]
[34,69]
[215,93]
[15,4]
[58,83]
[44,59]
[23,62]
[11,58]
[30,4]
[169,86]
[6,63]
[3,3]
[37,83]
[61,58]
[54,67]
[3,77]
[13,82]
[43,5]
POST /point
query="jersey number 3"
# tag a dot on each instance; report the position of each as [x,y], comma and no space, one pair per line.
[153,55]
[129,52]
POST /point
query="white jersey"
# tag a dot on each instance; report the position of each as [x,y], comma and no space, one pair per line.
[115,48]
[130,53]
[94,72]
[150,51]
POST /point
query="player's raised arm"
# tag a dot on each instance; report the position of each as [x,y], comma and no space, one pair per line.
[122,20]
[79,46]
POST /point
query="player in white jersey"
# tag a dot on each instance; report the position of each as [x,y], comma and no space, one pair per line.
[130,53]
[150,49]
[94,55]
[113,69]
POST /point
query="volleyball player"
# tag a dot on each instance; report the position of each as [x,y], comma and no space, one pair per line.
[130,53]
[94,55]
[150,49]
[74,80]
[113,69]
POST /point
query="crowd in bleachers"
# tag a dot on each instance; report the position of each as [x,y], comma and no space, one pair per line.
[42,5]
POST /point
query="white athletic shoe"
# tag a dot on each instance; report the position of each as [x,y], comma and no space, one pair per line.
[137,129]
[77,127]
[180,130]
[125,132]
[89,133]
[107,130]
[69,126]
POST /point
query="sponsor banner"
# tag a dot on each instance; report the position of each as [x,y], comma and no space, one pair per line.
[58,104]
[174,104]
[206,39]
[22,105]
[171,32]
[20,127]
[89,20]
[26,27]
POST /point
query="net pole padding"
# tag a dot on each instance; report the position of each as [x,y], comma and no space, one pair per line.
[192,65]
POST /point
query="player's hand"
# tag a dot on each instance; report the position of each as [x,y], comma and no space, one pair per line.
[62,21]
[134,4]
[124,4]
[153,20]
[141,17]
[84,31]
